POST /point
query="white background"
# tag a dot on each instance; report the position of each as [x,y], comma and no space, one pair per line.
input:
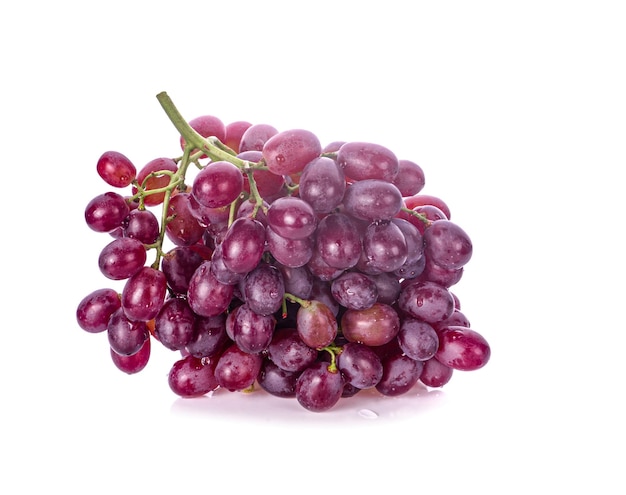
[516,111]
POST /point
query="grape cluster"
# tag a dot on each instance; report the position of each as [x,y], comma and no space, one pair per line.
[312,272]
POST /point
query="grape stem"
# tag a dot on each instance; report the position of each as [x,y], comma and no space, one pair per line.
[421,217]
[334,351]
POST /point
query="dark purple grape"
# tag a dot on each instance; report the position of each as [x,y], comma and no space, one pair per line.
[122,258]
[251,331]
[318,388]
[321,291]
[277,381]
[95,309]
[338,241]
[447,245]
[360,365]
[322,184]
[374,326]
[179,265]
[372,200]
[298,280]
[289,352]
[289,252]
[443,276]
[132,363]
[263,289]
[237,370]
[435,374]
[322,270]
[182,228]
[174,325]
[410,179]
[426,301]
[418,339]
[388,287]
[292,218]
[462,348]
[289,151]
[243,245]
[384,246]
[209,336]
[354,290]
[206,295]
[193,377]
[217,185]
[126,336]
[220,271]
[106,212]
[361,161]
[142,225]
[316,324]
[400,374]
[414,239]
[144,294]
[116,169]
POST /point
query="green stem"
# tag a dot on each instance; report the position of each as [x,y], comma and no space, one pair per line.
[295,299]
[334,351]
[421,217]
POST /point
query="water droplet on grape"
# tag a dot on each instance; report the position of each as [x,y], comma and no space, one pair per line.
[368,413]
[280,159]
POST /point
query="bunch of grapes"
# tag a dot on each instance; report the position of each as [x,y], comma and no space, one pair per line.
[313,272]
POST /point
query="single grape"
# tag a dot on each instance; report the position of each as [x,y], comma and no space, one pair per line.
[255,136]
[384,246]
[142,225]
[354,290]
[106,212]
[243,245]
[361,161]
[122,258]
[400,374]
[316,324]
[143,294]
[182,228]
[291,217]
[462,348]
[414,240]
[209,336]
[263,289]
[447,245]
[426,301]
[236,369]
[116,169]
[95,309]
[360,365]
[374,326]
[289,352]
[338,241]
[251,331]
[435,374]
[193,377]
[418,339]
[289,252]
[288,152]
[322,184]
[217,185]
[132,363]
[234,132]
[318,388]
[126,336]
[178,266]
[174,324]
[206,295]
[276,381]
[372,200]
[410,179]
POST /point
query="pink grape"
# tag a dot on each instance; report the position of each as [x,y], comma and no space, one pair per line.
[362,161]
[288,152]
[116,169]
[217,185]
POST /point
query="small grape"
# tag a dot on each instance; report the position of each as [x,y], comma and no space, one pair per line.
[116,169]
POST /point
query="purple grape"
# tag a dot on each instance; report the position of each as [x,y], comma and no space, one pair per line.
[388,287]
[322,184]
[443,276]
[298,280]
[292,218]
[243,245]
[354,290]
[462,348]
[277,381]
[236,369]
[206,295]
[400,374]
[174,325]
[414,239]
[447,245]
[418,339]
[132,363]
[319,389]
[95,310]
[360,365]
[410,179]
[209,336]
[116,169]
[316,324]
[179,265]
[182,228]
[289,151]
[193,377]
[289,252]
[361,161]
[220,271]
[251,331]
[338,241]
[217,185]
[320,269]
[263,289]
[289,352]
[426,301]
[106,212]
[126,336]
[374,326]
[384,246]
[372,200]
[142,225]
[144,294]
[122,258]
[435,374]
